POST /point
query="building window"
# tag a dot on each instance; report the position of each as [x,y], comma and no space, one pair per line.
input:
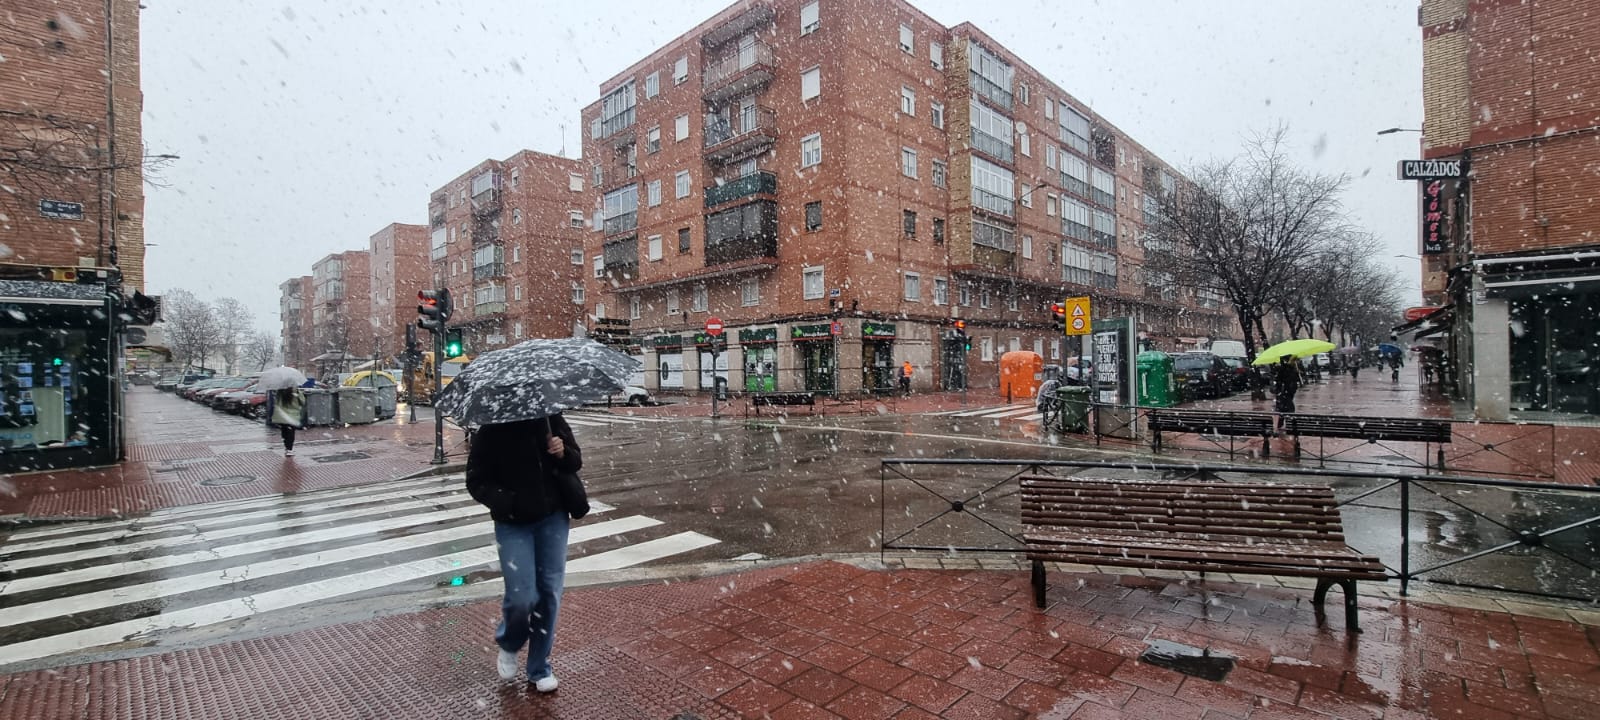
[1022,92]
[983,298]
[633,306]
[913,287]
[907,44]
[936,114]
[597,175]
[811,150]
[750,292]
[936,55]
[938,231]
[940,170]
[516,177]
[516,216]
[652,140]
[908,162]
[577,256]
[681,184]
[965,295]
[1049,109]
[680,127]
[653,193]
[810,84]
[1050,154]
[683,240]
[702,298]
[516,330]
[1026,196]
[986,347]
[908,100]
[1027,246]
[516,292]
[814,216]
[652,85]
[670,299]
[811,280]
[1074,129]
[810,21]
[1023,146]
[908,223]
[599,266]
[941,291]
[654,248]
[574,181]
[577,293]
[1011,301]
[516,254]
[1055,345]
[680,70]
[575,218]
[1050,204]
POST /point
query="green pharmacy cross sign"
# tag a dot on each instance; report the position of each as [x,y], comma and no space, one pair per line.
[877,330]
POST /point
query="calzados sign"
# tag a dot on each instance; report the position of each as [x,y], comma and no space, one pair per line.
[1432,169]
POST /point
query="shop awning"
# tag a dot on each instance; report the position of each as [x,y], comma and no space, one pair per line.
[1433,323]
[1513,276]
[40,292]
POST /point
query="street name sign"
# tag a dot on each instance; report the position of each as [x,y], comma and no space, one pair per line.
[1433,169]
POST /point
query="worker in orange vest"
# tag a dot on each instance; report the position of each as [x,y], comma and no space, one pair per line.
[905,378]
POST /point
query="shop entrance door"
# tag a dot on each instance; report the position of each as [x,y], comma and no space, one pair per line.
[953,365]
[878,373]
[760,369]
[817,362]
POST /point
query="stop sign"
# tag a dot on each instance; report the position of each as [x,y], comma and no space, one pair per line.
[714,327]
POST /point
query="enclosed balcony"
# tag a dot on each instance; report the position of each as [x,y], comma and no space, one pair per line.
[621,258]
[989,89]
[619,224]
[745,232]
[744,69]
[760,183]
[755,17]
[741,133]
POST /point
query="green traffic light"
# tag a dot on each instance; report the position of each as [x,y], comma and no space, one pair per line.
[55,361]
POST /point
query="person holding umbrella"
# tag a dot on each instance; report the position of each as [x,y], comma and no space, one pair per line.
[288,402]
[1285,382]
[522,464]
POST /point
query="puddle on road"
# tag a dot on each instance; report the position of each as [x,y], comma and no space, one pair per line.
[1187,659]
[346,456]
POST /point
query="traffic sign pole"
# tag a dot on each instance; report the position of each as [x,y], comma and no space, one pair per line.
[714,329]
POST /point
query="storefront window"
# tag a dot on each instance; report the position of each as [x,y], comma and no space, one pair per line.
[1555,345]
[43,401]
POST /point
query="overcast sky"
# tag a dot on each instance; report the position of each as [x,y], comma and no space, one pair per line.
[304,127]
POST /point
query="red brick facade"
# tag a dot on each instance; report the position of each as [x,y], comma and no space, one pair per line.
[400,268]
[507,251]
[742,80]
[294,313]
[68,86]
[341,309]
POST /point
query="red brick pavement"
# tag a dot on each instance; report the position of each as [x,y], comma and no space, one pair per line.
[167,462]
[829,640]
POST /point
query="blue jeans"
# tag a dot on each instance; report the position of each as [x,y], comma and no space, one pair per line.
[533,560]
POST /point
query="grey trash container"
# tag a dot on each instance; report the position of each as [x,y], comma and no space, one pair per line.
[1074,400]
[319,407]
[384,401]
[357,406]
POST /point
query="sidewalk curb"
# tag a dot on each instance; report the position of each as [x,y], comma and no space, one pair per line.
[436,471]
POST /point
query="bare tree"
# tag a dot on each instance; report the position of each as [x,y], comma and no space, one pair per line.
[44,153]
[1245,229]
[259,350]
[192,328]
[234,321]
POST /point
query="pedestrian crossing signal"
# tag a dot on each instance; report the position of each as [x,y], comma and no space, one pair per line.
[453,345]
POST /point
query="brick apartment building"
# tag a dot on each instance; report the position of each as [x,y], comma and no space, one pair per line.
[1511,250]
[70,98]
[399,257]
[507,239]
[792,167]
[294,314]
[342,327]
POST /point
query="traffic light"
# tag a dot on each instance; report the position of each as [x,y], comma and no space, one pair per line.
[411,338]
[1060,311]
[434,307]
[961,334]
[453,346]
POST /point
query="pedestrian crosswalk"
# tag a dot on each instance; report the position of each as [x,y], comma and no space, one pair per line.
[1024,413]
[73,587]
[589,418]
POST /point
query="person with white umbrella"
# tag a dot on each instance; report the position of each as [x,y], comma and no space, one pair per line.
[288,402]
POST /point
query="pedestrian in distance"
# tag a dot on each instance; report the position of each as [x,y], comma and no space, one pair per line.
[1355,371]
[520,471]
[1285,383]
[288,413]
[905,378]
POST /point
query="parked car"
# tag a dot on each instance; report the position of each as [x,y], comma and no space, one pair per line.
[630,395]
[212,395]
[1239,373]
[170,383]
[243,401]
[192,391]
[1200,375]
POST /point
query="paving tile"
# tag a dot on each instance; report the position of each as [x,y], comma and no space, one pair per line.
[1328,678]
[1095,711]
[1558,707]
[1097,688]
[1517,703]
[912,712]
[928,693]
[715,679]
[1255,682]
[797,642]
[834,657]
[818,686]
[680,661]
[936,663]
[940,638]
[988,682]
[1331,702]
[802,710]
[977,707]
[989,653]
[1215,696]
[1090,659]
[1039,670]
[755,699]
[1538,611]
[889,647]
[1044,702]
[775,667]
[897,623]
[761,629]
[1159,680]
[1571,646]
[1147,704]
[706,639]
[878,674]
[862,703]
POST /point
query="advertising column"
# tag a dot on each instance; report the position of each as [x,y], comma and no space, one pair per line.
[1114,351]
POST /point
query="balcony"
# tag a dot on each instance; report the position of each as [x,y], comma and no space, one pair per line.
[618,128]
[619,224]
[621,258]
[747,70]
[488,271]
[757,16]
[761,183]
[997,204]
[1102,198]
[990,90]
[744,133]
[486,203]
[745,232]
[993,236]
[993,147]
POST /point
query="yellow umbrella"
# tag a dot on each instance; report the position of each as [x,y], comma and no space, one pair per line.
[1304,347]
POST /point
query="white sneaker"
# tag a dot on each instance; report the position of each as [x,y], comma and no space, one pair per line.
[507,665]
[288,453]
[546,684]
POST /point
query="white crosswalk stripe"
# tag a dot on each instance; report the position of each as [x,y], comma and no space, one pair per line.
[589,418]
[77,586]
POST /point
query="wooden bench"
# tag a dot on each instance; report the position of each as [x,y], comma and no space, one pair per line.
[1259,529]
[1210,422]
[1370,429]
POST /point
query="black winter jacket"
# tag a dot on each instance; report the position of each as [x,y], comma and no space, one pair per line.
[511,472]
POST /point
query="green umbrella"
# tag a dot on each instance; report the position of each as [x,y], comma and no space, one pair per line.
[1304,347]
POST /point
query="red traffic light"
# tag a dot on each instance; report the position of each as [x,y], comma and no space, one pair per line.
[426,298]
[1059,309]
[961,325]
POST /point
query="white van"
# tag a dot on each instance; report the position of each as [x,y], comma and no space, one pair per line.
[1228,348]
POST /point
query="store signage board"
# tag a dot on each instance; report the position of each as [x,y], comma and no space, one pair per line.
[1455,169]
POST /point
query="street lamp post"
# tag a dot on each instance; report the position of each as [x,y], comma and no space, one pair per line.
[1391,131]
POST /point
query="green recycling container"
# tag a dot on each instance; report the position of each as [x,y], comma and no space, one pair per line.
[1074,402]
[1155,379]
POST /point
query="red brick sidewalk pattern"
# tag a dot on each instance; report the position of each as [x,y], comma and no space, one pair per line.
[828,640]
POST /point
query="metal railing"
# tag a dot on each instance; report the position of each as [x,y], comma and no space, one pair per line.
[721,70]
[992,146]
[755,118]
[1490,533]
[762,182]
[618,224]
[998,204]
[990,89]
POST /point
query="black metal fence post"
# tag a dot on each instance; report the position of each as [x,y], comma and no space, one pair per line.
[1405,535]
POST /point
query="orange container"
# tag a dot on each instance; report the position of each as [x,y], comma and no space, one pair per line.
[1021,373]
